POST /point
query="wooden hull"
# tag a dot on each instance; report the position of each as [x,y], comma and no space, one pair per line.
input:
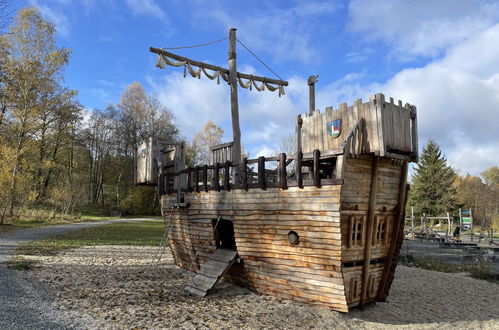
[348,234]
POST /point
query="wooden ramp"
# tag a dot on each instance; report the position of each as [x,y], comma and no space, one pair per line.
[211,271]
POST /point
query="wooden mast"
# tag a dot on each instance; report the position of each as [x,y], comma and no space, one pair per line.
[234,104]
[233,77]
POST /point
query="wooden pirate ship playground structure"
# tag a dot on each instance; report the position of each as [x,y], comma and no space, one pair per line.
[323,225]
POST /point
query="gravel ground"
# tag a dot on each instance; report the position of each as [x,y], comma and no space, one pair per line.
[26,303]
[121,287]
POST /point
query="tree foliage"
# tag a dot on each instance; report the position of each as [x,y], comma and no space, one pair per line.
[432,190]
[199,151]
[54,155]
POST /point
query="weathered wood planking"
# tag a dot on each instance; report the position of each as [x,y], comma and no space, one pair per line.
[361,284]
[324,268]
[389,130]
[307,272]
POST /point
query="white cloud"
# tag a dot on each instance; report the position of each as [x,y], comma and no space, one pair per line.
[193,101]
[424,27]
[284,33]
[457,98]
[146,7]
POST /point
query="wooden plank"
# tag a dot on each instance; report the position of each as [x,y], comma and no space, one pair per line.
[261,172]
[398,227]
[369,228]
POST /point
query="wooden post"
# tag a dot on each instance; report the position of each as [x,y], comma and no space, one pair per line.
[412,221]
[244,173]
[317,171]
[234,105]
[311,90]
[299,124]
[205,177]
[261,172]
[449,227]
[227,176]
[216,177]
[196,178]
[425,222]
[397,234]
[282,171]
[460,219]
[299,177]
[471,221]
[369,229]
[167,183]
[161,184]
[189,181]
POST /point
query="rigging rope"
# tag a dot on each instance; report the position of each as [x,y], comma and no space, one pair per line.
[249,50]
[249,84]
[200,45]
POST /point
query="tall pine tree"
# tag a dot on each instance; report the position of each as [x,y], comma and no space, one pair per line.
[432,190]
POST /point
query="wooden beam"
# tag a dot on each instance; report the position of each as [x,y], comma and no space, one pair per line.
[167,183]
[196,178]
[161,184]
[261,172]
[217,68]
[298,174]
[282,171]
[227,176]
[189,183]
[369,229]
[397,230]
[234,103]
[244,174]
[216,177]
[205,177]
[317,168]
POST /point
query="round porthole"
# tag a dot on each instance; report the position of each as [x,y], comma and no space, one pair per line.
[293,238]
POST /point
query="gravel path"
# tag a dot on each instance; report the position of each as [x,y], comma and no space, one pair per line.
[122,289]
[25,303]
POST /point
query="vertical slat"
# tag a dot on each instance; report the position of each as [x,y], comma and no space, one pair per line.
[317,171]
[282,171]
[205,177]
[196,178]
[161,185]
[216,177]
[345,125]
[244,173]
[189,183]
[227,176]
[397,229]
[167,183]
[299,177]
[298,133]
[369,228]
[374,137]
[380,100]
[328,116]
[261,172]
[414,131]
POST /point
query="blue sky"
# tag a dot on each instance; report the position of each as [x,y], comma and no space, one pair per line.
[442,56]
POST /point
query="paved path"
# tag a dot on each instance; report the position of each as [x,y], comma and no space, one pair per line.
[27,305]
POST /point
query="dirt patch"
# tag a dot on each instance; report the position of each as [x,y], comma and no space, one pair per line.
[118,286]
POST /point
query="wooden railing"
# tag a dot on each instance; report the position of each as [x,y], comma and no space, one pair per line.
[320,169]
[222,152]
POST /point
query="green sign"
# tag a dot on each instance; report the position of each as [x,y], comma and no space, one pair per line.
[466,221]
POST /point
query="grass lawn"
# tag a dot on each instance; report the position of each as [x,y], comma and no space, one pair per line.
[25,223]
[148,232]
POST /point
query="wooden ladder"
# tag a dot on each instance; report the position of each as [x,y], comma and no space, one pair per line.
[211,271]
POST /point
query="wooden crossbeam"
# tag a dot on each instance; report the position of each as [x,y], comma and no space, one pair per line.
[217,68]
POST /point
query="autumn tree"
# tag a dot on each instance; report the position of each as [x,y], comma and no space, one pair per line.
[432,190]
[209,136]
[31,75]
